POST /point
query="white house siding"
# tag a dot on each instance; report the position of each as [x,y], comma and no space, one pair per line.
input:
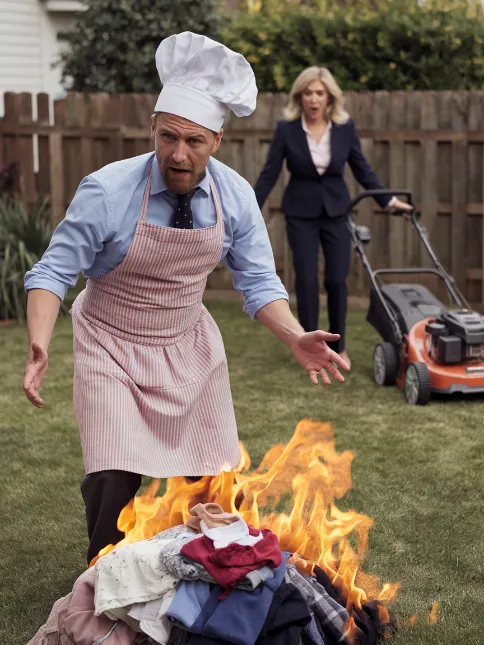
[53,24]
[29,45]
[21,64]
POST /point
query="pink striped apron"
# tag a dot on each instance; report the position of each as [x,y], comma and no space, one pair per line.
[151,384]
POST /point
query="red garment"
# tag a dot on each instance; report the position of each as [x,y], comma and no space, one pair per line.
[228,565]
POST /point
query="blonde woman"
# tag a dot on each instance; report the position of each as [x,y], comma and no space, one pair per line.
[316,140]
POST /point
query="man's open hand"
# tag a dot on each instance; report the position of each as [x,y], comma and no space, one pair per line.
[312,352]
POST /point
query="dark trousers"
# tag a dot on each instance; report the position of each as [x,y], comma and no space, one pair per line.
[304,237]
[105,494]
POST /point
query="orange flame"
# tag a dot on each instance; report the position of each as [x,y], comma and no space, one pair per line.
[307,522]
[433,613]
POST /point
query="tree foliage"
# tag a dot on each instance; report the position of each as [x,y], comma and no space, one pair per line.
[370,45]
[112,45]
[398,46]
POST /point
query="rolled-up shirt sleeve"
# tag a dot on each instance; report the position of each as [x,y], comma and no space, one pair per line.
[251,261]
[75,243]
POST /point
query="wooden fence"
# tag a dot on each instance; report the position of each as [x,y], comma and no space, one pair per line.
[429,142]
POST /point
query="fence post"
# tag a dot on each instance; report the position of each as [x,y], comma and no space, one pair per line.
[459,256]
[429,174]
[43,120]
[57,180]
[10,148]
[475,278]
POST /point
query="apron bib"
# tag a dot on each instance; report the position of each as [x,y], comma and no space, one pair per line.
[151,384]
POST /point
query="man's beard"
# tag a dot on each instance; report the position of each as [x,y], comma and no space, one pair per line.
[177,185]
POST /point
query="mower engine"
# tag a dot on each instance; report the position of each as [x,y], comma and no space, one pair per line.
[456,337]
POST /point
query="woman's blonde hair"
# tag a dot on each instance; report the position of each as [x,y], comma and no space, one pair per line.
[335,110]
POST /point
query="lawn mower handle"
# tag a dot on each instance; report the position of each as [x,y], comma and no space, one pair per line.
[382,192]
[449,281]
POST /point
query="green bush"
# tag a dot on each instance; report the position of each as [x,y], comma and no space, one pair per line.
[24,236]
[399,46]
[112,44]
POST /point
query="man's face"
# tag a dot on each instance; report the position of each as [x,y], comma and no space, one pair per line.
[183,149]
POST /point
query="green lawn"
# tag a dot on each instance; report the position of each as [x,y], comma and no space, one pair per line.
[418,472]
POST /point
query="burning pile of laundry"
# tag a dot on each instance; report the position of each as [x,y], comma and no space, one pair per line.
[211,581]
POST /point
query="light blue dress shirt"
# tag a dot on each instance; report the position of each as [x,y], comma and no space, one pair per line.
[99,225]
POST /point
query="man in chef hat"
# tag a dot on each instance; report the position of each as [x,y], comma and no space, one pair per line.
[151,386]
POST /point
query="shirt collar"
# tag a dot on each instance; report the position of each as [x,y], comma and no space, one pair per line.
[158,183]
[306,129]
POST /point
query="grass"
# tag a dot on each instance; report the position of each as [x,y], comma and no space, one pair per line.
[418,472]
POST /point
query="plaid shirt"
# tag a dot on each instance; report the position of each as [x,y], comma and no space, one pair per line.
[330,616]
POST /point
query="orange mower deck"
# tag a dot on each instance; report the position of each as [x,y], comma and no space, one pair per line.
[444,379]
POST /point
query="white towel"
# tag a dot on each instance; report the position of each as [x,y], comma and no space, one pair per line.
[131,574]
[237,533]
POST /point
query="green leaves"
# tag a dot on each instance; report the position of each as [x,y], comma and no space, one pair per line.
[381,46]
[375,45]
[24,236]
[112,46]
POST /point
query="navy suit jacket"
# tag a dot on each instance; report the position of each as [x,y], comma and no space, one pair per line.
[307,192]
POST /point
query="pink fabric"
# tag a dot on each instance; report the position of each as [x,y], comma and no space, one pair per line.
[151,385]
[212,514]
[52,633]
[72,620]
[229,564]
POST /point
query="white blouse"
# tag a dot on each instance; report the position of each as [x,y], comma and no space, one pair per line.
[320,152]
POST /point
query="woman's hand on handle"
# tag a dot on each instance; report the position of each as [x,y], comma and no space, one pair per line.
[398,205]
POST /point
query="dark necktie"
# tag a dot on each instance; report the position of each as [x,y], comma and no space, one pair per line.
[183,213]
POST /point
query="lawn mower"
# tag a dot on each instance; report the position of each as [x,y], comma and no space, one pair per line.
[427,347]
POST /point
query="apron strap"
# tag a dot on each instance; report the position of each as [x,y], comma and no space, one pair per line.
[216,199]
[146,196]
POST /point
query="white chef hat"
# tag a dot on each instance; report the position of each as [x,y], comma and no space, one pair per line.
[202,79]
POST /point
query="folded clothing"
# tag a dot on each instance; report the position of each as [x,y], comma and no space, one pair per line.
[369,630]
[151,617]
[287,619]
[72,620]
[311,634]
[235,533]
[212,514]
[179,636]
[240,617]
[173,562]
[325,582]
[230,564]
[254,578]
[330,616]
[184,568]
[132,573]
[188,603]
